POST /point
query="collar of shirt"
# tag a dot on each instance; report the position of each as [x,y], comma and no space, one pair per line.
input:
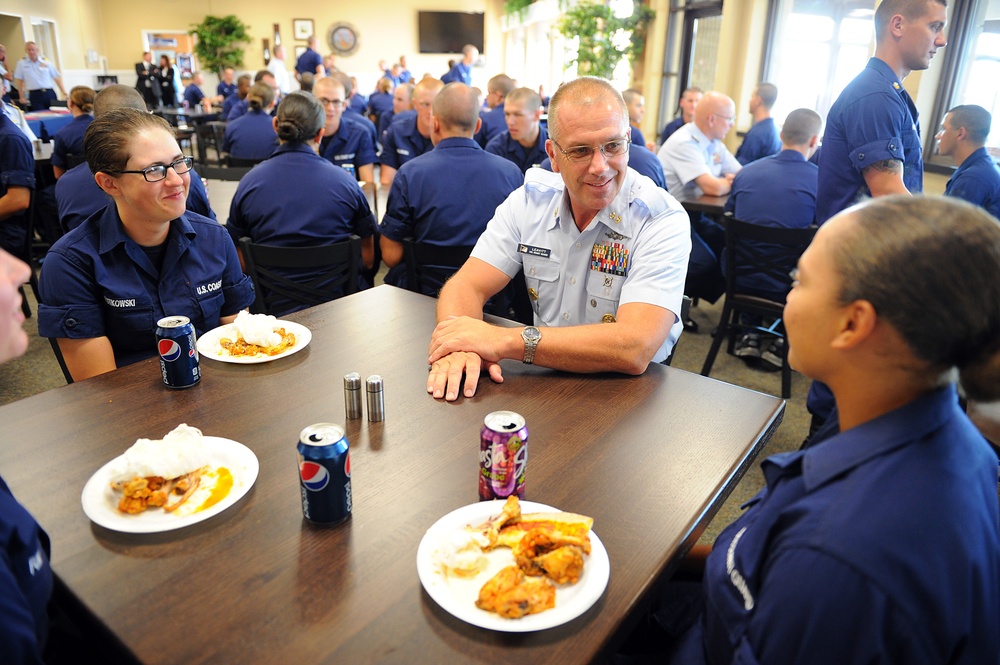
[979,155]
[615,216]
[457,142]
[113,231]
[847,450]
[294,147]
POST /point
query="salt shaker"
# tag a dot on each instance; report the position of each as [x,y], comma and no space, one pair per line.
[376,398]
[352,395]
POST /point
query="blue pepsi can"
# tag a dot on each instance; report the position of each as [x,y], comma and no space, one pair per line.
[325,474]
[175,342]
[350,170]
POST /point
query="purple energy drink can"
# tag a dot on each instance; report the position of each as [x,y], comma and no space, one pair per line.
[503,455]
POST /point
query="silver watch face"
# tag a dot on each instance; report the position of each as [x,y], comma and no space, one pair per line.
[531,334]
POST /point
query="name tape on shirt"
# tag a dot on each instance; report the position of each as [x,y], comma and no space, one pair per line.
[531,250]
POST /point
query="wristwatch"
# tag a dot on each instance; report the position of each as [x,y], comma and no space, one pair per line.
[530,335]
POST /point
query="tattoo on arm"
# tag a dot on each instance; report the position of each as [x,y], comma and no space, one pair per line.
[893,166]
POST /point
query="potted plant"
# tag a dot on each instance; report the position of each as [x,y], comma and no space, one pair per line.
[597,27]
[218,42]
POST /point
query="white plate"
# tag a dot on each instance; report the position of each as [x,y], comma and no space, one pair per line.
[100,502]
[458,595]
[208,344]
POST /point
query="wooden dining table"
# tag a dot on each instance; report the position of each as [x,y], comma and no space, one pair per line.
[710,205]
[651,458]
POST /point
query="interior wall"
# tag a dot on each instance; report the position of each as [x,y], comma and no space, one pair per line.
[78,28]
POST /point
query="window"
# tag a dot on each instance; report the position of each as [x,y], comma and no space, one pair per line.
[814,50]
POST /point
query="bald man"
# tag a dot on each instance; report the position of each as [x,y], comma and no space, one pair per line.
[695,160]
[603,249]
[438,210]
[409,134]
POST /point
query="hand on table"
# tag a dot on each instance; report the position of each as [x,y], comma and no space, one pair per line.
[445,378]
[462,345]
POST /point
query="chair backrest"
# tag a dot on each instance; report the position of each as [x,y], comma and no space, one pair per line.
[237,162]
[229,173]
[74,159]
[59,359]
[762,253]
[288,279]
[429,266]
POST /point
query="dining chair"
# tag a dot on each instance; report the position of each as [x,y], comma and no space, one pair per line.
[324,273]
[758,251]
[428,266]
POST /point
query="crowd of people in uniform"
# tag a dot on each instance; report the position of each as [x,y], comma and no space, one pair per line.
[879,541]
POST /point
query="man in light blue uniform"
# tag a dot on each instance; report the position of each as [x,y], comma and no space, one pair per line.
[409,135]
[963,138]
[598,243]
[524,141]
[78,195]
[430,209]
[762,139]
[871,145]
[35,77]
[344,144]
[494,122]
[640,159]
[461,72]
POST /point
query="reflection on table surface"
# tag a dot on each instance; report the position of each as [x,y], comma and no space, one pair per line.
[650,458]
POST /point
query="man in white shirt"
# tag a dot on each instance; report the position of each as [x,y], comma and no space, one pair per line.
[279,69]
[35,77]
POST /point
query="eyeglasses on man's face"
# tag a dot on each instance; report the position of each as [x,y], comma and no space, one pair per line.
[158,172]
[730,119]
[330,102]
[585,153]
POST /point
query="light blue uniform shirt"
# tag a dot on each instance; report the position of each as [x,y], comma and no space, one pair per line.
[687,154]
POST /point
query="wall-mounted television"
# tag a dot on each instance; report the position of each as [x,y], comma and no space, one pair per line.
[448,32]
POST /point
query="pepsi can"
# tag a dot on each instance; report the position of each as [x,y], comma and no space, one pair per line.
[324,474]
[175,342]
[503,455]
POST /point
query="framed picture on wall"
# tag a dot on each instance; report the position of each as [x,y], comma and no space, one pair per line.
[302,28]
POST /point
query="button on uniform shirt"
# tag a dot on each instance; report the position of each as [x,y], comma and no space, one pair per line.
[777,191]
[37,75]
[634,250]
[403,141]
[762,140]
[687,154]
[876,545]
[78,196]
[874,119]
[350,145]
[276,204]
[17,169]
[69,140]
[99,282]
[250,136]
[438,210]
[25,582]
[524,158]
[977,181]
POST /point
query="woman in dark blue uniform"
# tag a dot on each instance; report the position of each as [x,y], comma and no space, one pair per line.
[251,136]
[296,198]
[880,541]
[108,281]
[69,139]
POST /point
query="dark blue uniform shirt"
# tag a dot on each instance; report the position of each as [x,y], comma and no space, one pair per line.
[379,103]
[226,89]
[494,123]
[358,104]
[670,128]
[239,109]
[17,169]
[275,204]
[636,136]
[461,72]
[762,140]
[69,140]
[25,582]
[364,123]
[874,119]
[308,62]
[193,96]
[228,104]
[506,147]
[78,196]
[778,191]
[98,282]
[350,144]
[250,136]
[977,181]
[880,544]
[403,141]
[438,210]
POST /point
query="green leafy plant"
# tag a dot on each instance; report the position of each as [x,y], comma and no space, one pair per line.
[596,25]
[218,42]
[516,8]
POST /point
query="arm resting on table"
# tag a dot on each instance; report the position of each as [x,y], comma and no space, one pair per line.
[713,186]
[14,201]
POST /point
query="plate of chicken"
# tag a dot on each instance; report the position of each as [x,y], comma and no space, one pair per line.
[514,566]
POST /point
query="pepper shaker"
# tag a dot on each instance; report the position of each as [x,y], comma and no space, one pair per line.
[352,395]
[376,398]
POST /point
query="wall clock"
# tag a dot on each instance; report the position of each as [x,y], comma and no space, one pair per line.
[343,38]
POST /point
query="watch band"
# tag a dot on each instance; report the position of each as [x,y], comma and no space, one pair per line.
[530,335]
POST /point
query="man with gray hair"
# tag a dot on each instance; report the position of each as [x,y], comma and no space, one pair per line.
[430,209]
[963,138]
[603,249]
[778,191]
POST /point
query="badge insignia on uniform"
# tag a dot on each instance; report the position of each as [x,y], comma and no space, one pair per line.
[607,281]
[614,235]
[895,85]
[608,318]
[533,294]
[616,218]
[610,258]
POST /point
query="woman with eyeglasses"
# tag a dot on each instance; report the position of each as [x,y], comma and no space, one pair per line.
[107,282]
[880,541]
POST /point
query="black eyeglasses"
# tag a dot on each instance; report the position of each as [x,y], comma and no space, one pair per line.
[585,153]
[158,172]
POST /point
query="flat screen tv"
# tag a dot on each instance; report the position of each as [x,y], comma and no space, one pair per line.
[448,32]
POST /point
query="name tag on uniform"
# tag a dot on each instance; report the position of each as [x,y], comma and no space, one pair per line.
[534,251]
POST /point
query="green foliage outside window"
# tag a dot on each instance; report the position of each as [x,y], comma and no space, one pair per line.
[596,25]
